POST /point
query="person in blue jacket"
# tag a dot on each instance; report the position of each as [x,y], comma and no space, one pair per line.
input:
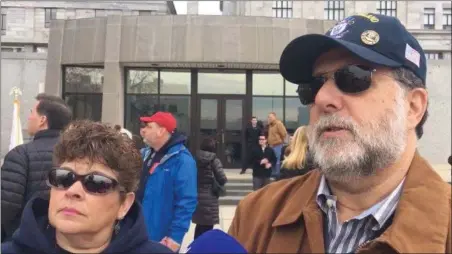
[92,206]
[168,186]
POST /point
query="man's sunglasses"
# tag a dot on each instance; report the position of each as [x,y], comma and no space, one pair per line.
[94,183]
[350,79]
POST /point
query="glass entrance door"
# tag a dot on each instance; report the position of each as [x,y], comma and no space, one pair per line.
[221,118]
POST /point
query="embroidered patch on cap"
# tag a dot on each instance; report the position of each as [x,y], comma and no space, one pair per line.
[412,55]
[338,29]
[370,37]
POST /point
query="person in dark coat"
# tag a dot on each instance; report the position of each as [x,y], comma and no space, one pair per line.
[296,161]
[263,158]
[25,167]
[284,150]
[206,214]
[92,207]
[252,132]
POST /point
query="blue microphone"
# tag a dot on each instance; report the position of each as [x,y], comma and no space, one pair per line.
[215,241]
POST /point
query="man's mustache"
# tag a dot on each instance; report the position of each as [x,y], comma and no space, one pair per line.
[333,122]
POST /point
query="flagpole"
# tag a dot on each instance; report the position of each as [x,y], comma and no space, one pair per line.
[16,130]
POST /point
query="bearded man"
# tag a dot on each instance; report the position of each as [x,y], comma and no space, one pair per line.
[371,191]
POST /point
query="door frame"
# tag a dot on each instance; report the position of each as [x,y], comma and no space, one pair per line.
[221,110]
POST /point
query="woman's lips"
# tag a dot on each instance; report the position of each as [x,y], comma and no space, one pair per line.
[70,211]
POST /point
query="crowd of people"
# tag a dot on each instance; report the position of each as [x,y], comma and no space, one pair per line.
[352,181]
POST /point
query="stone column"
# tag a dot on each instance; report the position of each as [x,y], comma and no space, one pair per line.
[113,87]
[54,76]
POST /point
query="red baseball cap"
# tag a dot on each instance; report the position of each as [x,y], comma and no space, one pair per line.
[163,119]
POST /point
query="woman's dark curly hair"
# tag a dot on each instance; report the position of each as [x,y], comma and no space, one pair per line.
[101,143]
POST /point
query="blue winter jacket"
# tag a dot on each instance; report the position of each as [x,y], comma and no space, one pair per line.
[169,195]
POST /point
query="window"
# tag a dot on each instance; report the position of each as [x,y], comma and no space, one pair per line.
[3,21]
[429,18]
[334,10]
[149,91]
[179,107]
[263,105]
[388,8]
[296,114]
[7,49]
[82,90]
[447,18]
[282,9]
[434,55]
[50,14]
[39,49]
[270,84]
[291,88]
[12,49]
[137,105]
[142,82]
[225,82]
[175,82]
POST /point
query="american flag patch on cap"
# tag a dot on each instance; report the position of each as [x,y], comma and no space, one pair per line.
[412,55]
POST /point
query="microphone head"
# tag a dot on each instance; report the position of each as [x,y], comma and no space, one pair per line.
[215,241]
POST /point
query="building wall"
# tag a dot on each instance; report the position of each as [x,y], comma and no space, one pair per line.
[25,71]
[25,20]
[435,145]
[410,13]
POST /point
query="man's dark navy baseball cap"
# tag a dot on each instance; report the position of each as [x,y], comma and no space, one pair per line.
[378,39]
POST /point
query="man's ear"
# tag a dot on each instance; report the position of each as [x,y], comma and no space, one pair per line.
[43,120]
[417,102]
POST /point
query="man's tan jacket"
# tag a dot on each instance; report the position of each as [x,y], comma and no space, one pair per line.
[276,133]
[284,217]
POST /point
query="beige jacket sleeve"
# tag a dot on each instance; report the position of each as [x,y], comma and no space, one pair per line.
[282,132]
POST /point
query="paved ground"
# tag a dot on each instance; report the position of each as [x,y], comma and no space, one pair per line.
[226,215]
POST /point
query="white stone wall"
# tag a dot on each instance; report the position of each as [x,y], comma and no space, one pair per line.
[25,71]
[25,20]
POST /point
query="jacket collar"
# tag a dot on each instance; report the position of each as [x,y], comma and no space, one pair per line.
[49,133]
[424,194]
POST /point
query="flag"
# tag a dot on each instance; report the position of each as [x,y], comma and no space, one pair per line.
[16,131]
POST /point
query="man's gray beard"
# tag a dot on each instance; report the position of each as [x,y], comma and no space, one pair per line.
[374,146]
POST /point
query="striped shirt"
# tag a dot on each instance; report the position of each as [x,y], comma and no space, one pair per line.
[348,236]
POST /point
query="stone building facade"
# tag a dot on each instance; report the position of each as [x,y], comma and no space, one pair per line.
[212,72]
[429,21]
[25,24]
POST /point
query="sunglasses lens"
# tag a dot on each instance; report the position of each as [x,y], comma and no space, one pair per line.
[98,184]
[93,183]
[61,178]
[308,91]
[353,79]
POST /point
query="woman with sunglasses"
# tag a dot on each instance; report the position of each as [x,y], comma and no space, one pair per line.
[92,206]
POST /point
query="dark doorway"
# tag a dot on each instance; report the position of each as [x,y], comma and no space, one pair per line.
[222,117]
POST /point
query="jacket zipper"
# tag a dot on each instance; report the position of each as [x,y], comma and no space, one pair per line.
[167,157]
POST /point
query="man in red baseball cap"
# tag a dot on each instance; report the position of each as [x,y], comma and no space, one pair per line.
[168,186]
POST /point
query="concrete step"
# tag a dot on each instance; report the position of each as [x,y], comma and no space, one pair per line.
[237,193]
[236,190]
[239,186]
[230,200]
[240,180]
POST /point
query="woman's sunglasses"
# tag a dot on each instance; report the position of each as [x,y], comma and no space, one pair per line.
[350,79]
[93,183]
